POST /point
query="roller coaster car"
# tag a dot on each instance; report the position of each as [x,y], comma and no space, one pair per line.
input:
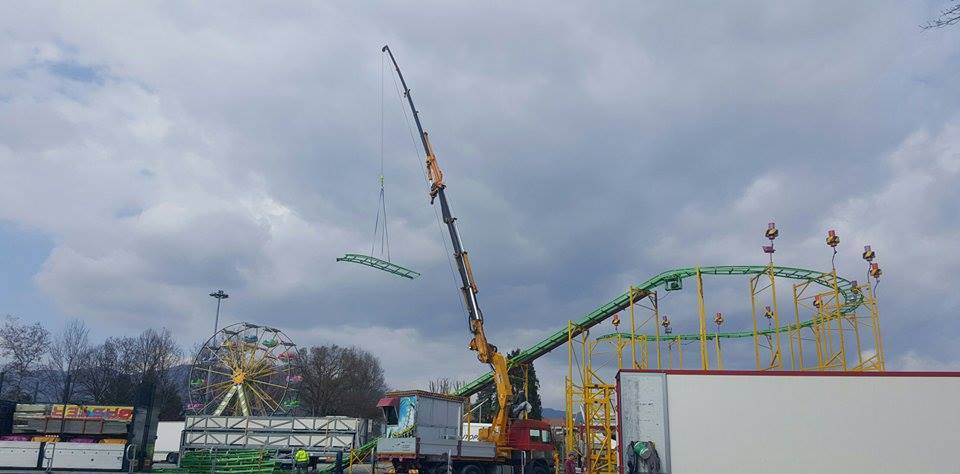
[674,284]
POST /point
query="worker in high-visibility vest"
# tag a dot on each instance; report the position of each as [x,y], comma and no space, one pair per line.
[302,459]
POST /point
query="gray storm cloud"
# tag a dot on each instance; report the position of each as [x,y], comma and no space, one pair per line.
[169,149]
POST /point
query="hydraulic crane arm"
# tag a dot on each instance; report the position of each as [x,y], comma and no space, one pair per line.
[487,353]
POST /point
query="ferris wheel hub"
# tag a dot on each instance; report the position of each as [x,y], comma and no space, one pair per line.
[239,376]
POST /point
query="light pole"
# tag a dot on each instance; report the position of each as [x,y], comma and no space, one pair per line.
[219,295]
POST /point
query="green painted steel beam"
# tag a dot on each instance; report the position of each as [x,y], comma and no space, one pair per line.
[710,336]
[851,300]
[379,265]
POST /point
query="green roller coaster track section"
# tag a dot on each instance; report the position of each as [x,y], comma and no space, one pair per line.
[379,264]
[851,301]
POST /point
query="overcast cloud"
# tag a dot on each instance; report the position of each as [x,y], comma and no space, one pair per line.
[153,152]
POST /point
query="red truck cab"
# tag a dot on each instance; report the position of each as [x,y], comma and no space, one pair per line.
[530,435]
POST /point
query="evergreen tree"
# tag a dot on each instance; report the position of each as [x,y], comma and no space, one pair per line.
[526,373]
[488,395]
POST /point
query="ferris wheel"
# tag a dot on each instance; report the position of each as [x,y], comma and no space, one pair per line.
[245,369]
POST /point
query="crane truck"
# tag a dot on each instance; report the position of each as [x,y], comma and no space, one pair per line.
[426,431]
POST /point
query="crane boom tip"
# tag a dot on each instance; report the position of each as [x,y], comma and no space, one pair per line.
[384,48]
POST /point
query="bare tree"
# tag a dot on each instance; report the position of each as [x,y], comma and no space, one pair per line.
[445,385]
[949,16]
[154,353]
[70,349]
[107,375]
[340,381]
[24,346]
[123,370]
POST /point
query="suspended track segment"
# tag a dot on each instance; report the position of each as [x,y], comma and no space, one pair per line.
[379,264]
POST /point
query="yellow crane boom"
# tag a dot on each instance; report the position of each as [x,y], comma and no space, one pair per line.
[486,353]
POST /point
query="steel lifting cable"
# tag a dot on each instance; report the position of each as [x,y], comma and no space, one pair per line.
[382,204]
[380,231]
[416,155]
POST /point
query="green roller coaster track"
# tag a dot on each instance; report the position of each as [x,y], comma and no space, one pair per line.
[851,301]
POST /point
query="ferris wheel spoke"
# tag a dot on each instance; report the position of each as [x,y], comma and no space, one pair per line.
[223,384]
[225,360]
[264,408]
[214,398]
[218,372]
[266,397]
[255,401]
[261,396]
[270,384]
[264,371]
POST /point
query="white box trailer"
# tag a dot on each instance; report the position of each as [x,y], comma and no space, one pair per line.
[792,422]
[167,447]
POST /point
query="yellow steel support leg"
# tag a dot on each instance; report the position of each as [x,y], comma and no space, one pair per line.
[778,355]
[569,439]
[716,339]
[839,317]
[870,300]
[855,323]
[644,352]
[633,331]
[753,312]
[619,351]
[701,310]
[796,313]
[670,353]
[656,323]
[680,351]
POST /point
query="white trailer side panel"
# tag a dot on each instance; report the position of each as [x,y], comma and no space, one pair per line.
[795,422]
[23,454]
[86,456]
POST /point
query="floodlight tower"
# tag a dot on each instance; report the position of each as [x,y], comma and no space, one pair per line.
[220,295]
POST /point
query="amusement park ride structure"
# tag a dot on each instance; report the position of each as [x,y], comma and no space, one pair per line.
[244,369]
[826,334]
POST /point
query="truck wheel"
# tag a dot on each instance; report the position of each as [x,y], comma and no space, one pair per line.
[470,469]
[537,468]
[172,458]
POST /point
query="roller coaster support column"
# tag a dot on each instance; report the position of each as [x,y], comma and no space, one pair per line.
[633,331]
[569,439]
[842,353]
[704,355]
[870,301]
[796,312]
[753,312]
[772,314]
[778,356]
[656,324]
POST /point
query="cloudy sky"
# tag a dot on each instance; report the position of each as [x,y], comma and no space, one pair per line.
[153,152]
